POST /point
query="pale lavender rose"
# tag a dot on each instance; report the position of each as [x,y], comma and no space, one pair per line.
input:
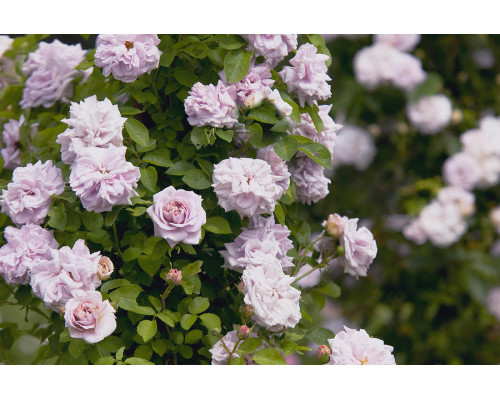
[353,347]
[11,154]
[28,197]
[275,304]
[177,216]
[310,280]
[354,146]
[127,57]
[24,246]
[92,123]
[328,135]
[246,185]
[415,232]
[89,318]
[405,42]
[67,274]
[430,114]
[495,218]
[484,58]
[51,69]
[212,105]
[105,268]
[262,238]
[5,44]
[103,178]
[409,73]
[252,89]
[281,105]
[360,249]
[272,47]
[221,350]
[452,196]
[310,180]
[461,170]
[277,164]
[308,76]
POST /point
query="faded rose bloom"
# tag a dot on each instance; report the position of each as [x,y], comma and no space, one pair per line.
[409,73]
[443,224]
[212,105]
[277,164]
[308,76]
[246,185]
[281,105]
[415,232]
[274,302]
[455,196]
[5,44]
[102,178]
[105,268]
[28,197]
[127,57]
[177,216]
[495,218]
[354,146]
[11,154]
[50,70]
[68,273]
[406,42]
[335,224]
[89,318]
[353,347]
[310,180]
[220,351]
[328,135]
[430,114]
[257,81]
[92,123]
[24,246]
[461,170]
[360,249]
[272,47]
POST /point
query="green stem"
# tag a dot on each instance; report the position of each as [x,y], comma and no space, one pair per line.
[304,254]
[323,264]
[117,242]
[232,352]
[166,293]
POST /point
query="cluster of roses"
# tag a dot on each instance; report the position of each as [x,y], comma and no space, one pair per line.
[67,278]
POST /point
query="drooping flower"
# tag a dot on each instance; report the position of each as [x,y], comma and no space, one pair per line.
[11,154]
[177,216]
[89,318]
[272,47]
[405,42]
[461,170]
[50,70]
[360,249]
[212,105]
[277,164]
[102,178]
[356,347]
[354,146]
[24,246]
[127,57]
[430,114]
[221,350]
[310,180]
[92,123]
[274,302]
[308,77]
[70,272]
[246,185]
[28,197]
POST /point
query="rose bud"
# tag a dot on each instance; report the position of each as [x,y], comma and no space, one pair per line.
[247,311]
[335,225]
[243,332]
[174,276]
[324,353]
[241,286]
[105,268]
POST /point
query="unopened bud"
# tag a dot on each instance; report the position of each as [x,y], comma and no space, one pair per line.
[334,226]
[241,286]
[105,268]
[247,311]
[340,251]
[243,332]
[174,276]
[324,353]
[456,116]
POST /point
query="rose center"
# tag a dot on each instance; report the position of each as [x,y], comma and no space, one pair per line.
[175,211]
[129,45]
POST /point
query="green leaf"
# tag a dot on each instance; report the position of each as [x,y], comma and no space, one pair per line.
[159,158]
[197,179]
[169,317]
[187,321]
[198,305]
[288,347]
[23,295]
[211,322]
[236,65]
[201,137]
[217,225]
[331,289]
[149,176]
[105,361]
[92,221]
[76,347]
[282,126]
[119,353]
[237,361]
[149,263]
[167,57]
[185,76]
[112,215]
[302,231]
[127,110]
[316,119]
[318,153]
[112,284]
[137,361]
[58,217]
[191,269]
[159,346]
[286,147]
[269,357]
[147,329]
[129,291]
[231,42]
[186,351]
[279,214]
[263,115]
[193,336]
[226,135]
[138,211]
[137,131]
[249,345]
[131,305]
[319,335]
[177,337]
[180,168]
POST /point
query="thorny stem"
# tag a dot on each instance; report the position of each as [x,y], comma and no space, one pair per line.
[232,352]
[166,293]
